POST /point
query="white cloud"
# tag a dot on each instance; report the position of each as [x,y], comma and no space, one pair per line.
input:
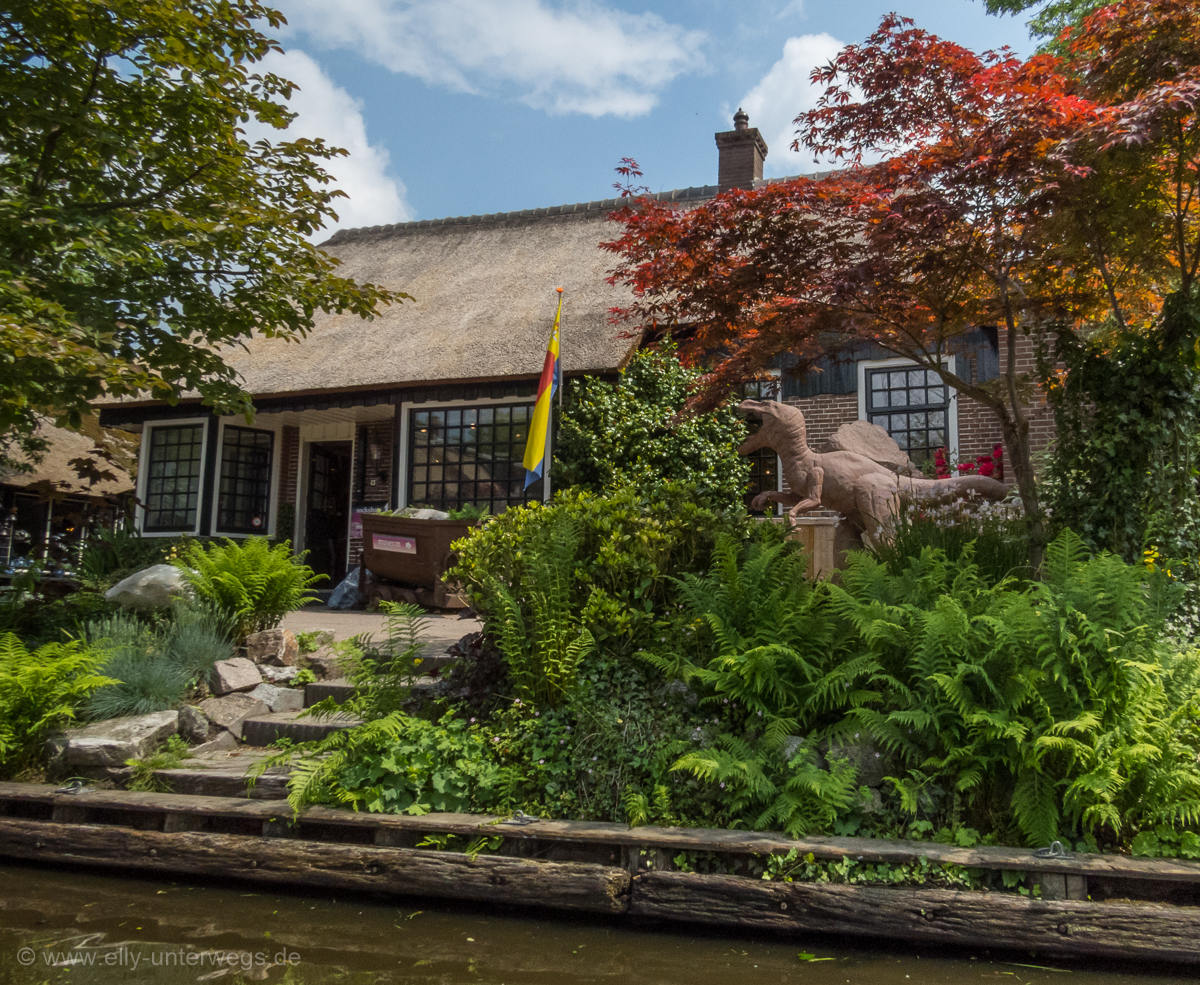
[326,110]
[582,58]
[783,94]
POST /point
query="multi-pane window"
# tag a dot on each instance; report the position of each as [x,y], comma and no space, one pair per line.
[471,455]
[173,477]
[913,405]
[764,462]
[244,503]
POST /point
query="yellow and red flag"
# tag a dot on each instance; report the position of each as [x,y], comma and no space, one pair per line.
[535,447]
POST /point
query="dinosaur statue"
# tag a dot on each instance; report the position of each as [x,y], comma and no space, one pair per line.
[866,493]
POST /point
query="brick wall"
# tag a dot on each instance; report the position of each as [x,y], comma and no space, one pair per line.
[825,413]
[289,473]
[376,436]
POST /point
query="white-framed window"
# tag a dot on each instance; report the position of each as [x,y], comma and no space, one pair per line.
[246,481]
[913,404]
[467,451]
[172,474]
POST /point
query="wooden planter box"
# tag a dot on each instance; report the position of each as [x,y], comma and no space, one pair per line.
[415,553]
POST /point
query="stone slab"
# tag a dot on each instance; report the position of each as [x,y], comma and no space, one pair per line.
[277,647]
[231,711]
[235,674]
[279,698]
[155,587]
[112,742]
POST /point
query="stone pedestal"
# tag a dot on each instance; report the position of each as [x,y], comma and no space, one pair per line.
[826,537]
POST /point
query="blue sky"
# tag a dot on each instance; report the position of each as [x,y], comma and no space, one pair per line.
[456,107]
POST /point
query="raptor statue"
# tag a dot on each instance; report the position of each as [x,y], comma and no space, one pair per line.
[866,493]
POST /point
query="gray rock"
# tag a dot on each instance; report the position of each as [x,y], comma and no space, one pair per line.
[230,712]
[235,674]
[155,587]
[279,698]
[273,646]
[865,438]
[112,742]
[871,762]
[224,742]
[193,726]
[277,675]
[325,666]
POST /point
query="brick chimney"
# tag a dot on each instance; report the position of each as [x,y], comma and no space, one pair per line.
[741,150]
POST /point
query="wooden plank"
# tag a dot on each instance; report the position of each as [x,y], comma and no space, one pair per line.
[402,871]
[936,916]
[672,840]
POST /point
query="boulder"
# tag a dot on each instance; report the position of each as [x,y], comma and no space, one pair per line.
[325,666]
[865,438]
[872,763]
[231,711]
[112,742]
[235,674]
[193,726]
[279,698]
[224,742]
[273,646]
[155,587]
[277,675]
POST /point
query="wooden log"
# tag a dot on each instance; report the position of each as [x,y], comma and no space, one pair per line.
[671,840]
[407,872]
[935,916]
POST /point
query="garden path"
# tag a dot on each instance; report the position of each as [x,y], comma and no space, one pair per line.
[441,629]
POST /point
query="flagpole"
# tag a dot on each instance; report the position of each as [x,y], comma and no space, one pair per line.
[550,420]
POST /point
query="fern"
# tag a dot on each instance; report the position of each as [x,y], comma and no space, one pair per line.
[254,583]
[40,691]
[539,635]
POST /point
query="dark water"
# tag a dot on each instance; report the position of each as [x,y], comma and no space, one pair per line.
[58,927]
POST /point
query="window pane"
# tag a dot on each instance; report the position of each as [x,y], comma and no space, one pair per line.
[243,506]
[173,483]
[475,458]
[920,432]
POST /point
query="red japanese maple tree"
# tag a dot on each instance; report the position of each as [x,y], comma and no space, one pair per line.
[971,219]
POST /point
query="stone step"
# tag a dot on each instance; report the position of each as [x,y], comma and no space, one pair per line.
[341,690]
[262,730]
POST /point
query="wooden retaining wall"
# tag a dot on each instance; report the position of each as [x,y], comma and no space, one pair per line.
[616,870]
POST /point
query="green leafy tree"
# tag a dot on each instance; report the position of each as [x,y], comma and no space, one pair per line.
[141,232]
[1050,19]
[633,432]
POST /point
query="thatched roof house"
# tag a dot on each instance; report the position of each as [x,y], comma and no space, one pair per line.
[429,403]
[426,404]
[45,512]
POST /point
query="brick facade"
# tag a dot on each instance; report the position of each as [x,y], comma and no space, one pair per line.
[978,430]
[289,474]
[372,476]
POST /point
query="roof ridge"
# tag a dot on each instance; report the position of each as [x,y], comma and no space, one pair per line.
[692,193]
[576,208]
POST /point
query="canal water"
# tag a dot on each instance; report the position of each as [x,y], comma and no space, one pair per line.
[82,928]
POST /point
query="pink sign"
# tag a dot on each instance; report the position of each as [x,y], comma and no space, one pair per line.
[400,545]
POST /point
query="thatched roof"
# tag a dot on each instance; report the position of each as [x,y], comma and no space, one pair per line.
[484,290]
[55,475]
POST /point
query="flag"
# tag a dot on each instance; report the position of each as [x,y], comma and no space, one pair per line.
[535,447]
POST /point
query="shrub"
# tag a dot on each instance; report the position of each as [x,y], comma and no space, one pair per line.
[254,583]
[40,691]
[633,433]
[631,542]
